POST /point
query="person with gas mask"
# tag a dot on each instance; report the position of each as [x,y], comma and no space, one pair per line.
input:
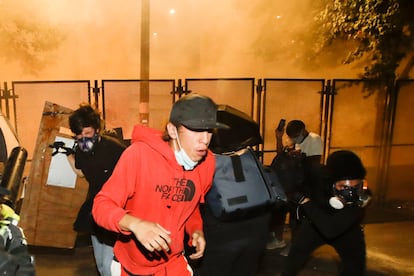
[333,214]
[94,157]
[152,198]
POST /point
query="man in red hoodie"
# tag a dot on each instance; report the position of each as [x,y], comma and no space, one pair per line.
[153,195]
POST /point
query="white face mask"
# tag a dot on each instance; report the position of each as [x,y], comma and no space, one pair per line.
[183,159]
[299,139]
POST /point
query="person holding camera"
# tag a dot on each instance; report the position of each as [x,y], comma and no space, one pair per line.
[333,214]
[291,164]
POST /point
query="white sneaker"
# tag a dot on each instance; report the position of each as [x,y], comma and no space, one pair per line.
[285,251]
[274,243]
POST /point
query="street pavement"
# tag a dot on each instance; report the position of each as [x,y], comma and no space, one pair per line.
[389,238]
[389,234]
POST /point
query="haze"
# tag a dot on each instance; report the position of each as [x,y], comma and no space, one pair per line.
[100,39]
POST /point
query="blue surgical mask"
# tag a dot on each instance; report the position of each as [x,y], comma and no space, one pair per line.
[86,144]
[183,159]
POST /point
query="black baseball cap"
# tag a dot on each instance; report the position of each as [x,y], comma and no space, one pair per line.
[196,112]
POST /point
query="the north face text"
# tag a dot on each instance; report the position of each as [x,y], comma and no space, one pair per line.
[181,190]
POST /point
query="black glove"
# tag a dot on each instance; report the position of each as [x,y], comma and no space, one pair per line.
[59,147]
[68,151]
[297,197]
[365,198]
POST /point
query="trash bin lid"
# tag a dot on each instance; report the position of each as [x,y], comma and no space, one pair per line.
[243,131]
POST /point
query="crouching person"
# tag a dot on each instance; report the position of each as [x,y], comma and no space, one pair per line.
[333,215]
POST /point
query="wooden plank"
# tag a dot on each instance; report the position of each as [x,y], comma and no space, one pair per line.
[48,212]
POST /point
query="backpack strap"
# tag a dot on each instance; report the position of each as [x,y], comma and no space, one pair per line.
[237,168]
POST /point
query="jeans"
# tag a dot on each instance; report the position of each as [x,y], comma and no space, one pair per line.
[104,255]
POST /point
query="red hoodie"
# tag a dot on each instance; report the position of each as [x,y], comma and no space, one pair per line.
[148,183]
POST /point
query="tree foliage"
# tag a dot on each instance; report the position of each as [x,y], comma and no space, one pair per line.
[382,32]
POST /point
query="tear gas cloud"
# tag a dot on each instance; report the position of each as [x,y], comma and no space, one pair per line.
[100,39]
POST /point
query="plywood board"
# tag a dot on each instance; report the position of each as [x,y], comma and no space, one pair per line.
[48,211]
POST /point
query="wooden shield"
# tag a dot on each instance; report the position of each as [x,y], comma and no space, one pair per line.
[49,209]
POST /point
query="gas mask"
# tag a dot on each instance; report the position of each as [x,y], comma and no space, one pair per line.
[183,159]
[86,144]
[349,196]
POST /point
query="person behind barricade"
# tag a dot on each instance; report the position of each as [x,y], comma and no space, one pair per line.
[291,164]
[307,142]
[152,198]
[15,258]
[94,157]
[333,214]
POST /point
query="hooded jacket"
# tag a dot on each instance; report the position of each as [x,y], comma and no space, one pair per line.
[331,223]
[149,183]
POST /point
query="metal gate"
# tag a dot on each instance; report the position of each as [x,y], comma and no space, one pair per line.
[376,126]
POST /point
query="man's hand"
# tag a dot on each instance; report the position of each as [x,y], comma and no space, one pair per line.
[199,242]
[296,153]
[279,142]
[279,133]
[150,234]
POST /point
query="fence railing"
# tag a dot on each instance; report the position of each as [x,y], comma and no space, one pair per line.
[374,125]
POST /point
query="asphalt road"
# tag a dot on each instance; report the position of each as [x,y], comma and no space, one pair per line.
[388,232]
